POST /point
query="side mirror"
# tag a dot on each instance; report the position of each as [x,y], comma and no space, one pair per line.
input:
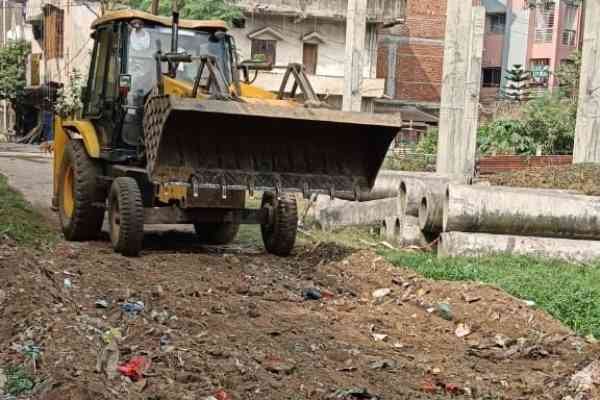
[124,84]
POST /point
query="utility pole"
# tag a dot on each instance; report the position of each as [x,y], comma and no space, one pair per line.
[356,29]
[154,8]
[4,104]
[587,132]
[461,84]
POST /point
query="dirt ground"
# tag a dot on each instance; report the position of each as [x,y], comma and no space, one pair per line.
[234,323]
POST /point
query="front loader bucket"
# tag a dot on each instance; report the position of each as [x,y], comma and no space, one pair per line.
[216,143]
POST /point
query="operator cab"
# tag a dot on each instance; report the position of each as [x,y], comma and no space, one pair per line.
[126,43]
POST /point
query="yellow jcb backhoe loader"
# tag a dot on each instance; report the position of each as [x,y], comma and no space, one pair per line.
[179,136]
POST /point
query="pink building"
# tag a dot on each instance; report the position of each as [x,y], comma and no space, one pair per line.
[538,34]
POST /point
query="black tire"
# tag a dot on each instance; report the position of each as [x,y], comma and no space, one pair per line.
[80,194]
[217,233]
[279,236]
[126,217]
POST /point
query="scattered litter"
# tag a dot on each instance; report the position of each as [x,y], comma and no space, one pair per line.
[222,395]
[529,303]
[165,344]
[503,340]
[591,339]
[111,335]
[158,291]
[379,337]
[108,360]
[585,380]
[428,387]
[67,283]
[101,303]
[444,311]
[162,316]
[380,293]
[386,244]
[327,295]
[462,330]
[133,309]
[353,394]
[470,298]
[385,363]
[278,365]
[135,368]
[311,294]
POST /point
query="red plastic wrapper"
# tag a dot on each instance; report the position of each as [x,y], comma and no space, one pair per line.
[135,368]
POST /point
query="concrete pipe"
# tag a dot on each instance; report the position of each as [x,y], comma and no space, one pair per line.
[461,244]
[518,211]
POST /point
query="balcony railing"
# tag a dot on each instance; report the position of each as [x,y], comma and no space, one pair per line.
[544,35]
[569,38]
[380,11]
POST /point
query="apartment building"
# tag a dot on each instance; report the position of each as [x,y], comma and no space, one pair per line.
[313,33]
[538,34]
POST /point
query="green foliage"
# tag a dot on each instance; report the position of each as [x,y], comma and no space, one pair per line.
[517,84]
[568,76]
[12,69]
[19,221]
[194,9]
[570,293]
[505,136]
[18,381]
[428,144]
[418,163]
[547,123]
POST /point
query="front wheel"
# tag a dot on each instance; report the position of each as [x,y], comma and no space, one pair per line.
[279,233]
[80,195]
[126,216]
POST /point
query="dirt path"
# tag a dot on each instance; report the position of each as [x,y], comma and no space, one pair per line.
[234,320]
[29,171]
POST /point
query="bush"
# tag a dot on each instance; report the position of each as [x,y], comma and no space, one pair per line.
[547,123]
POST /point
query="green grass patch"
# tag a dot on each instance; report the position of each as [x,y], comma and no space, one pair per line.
[19,221]
[570,293]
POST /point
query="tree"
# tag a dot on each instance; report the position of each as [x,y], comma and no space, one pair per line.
[517,84]
[193,9]
[568,75]
[13,59]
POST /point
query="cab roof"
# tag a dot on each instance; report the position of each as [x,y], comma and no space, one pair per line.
[127,15]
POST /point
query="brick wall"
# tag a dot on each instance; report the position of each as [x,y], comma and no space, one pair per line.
[418,47]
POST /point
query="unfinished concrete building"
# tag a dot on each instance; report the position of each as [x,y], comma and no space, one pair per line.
[313,33]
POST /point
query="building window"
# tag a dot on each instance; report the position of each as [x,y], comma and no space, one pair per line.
[492,77]
[496,23]
[310,52]
[540,71]
[544,22]
[53,32]
[569,35]
[266,49]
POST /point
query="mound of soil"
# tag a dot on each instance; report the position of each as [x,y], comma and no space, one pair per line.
[230,323]
[583,178]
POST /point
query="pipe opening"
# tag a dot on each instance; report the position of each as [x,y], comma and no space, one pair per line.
[446,208]
[423,212]
[402,197]
[397,228]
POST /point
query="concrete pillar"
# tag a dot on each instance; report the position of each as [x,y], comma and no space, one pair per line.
[587,133]
[390,81]
[461,84]
[356,29]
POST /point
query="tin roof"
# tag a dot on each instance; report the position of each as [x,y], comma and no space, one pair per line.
[165,21]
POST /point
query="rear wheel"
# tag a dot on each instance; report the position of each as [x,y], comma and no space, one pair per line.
[279,234]
[126,217]
[80,195]
[217,233]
